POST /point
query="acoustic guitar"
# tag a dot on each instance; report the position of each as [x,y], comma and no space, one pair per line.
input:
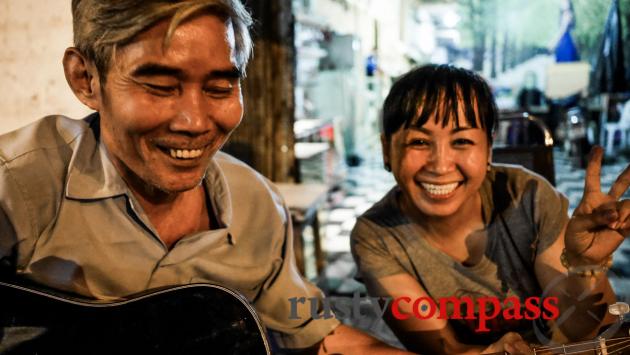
[189,319]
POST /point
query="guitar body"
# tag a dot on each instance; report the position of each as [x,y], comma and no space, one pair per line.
[189,319]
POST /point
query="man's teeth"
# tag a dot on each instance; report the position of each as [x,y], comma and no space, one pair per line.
[439,189]
[185,153]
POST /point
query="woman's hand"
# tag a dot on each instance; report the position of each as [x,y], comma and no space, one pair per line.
[510,343]
[600,222]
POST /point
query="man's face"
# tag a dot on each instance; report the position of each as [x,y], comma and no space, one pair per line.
[165,111]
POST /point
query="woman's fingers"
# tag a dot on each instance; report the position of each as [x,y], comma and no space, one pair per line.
[591,236]
[621,217]
[593,170]
[623,222]
[514,344]
[604,215]
[621,184]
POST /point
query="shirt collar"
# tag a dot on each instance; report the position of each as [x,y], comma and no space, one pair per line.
[91,173]
[218,192]
[93,176]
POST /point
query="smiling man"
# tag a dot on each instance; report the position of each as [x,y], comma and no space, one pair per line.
[136,196]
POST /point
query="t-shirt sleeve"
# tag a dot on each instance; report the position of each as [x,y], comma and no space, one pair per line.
[550,214]
[373,257]
[291,307]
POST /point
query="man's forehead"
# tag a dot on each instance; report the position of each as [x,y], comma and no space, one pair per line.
[165,29]
[201,34]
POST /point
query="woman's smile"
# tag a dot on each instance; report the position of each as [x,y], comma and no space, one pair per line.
[439,190]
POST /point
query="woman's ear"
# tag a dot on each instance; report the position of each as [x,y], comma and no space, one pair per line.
[385,149]
[83,78]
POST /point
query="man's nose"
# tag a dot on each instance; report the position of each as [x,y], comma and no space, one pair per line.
[192,114]
[441,159]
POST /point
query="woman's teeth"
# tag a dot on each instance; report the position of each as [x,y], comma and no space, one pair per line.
[439,189]
[185,153]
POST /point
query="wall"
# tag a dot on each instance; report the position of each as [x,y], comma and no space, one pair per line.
[33,37]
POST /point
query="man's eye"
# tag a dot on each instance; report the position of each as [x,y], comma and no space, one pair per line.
[218,91]
[161,89]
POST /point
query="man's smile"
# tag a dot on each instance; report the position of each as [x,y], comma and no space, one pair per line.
[185,153]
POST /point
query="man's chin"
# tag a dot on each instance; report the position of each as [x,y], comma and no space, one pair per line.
[172,185]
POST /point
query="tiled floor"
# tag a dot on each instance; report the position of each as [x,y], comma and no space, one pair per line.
[367,183]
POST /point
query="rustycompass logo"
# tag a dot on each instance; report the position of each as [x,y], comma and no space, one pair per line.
[480,310]
[487,308]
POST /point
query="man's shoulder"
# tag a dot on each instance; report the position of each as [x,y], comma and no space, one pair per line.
[34,162]
[44,136]
[236,169]
[241,177]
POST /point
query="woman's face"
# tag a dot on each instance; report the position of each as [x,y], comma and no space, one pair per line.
[439,169]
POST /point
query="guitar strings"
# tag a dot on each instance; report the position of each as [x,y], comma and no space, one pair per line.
[618,341]
[589,351]
[583,343]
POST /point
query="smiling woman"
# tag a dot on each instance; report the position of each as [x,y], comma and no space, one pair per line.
[457,226]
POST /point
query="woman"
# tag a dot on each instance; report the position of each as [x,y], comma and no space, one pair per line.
[470,236]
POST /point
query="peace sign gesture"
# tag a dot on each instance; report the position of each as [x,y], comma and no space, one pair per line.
[600,222]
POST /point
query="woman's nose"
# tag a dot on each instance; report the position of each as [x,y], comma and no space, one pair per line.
[441,159]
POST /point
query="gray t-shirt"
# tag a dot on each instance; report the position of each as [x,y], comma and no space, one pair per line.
[523,215]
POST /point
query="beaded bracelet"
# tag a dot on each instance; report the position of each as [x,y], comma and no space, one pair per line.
[586,270]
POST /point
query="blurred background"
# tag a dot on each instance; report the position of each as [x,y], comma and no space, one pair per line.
[322,68]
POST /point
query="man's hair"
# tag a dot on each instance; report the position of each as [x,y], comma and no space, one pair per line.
[102,25]
[437,91]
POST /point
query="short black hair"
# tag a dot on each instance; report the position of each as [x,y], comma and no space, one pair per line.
[436,91]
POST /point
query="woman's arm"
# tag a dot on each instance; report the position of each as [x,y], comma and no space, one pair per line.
[598,226]
[432,335]
[584,299]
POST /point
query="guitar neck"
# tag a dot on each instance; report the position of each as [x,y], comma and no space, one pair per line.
[599,346]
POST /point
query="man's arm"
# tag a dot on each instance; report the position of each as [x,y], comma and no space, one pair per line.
[348,341]
[12,208]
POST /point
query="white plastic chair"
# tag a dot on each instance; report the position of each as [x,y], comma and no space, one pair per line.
[623,126]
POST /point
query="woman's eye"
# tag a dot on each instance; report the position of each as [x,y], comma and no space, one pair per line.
[462,142]
[418,142]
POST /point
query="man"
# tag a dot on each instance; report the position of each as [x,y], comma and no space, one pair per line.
[136,195]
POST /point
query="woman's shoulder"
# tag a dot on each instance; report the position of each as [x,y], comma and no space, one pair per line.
[384,209]
[518,184]
[516,178]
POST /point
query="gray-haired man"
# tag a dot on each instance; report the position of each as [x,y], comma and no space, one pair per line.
[136,195]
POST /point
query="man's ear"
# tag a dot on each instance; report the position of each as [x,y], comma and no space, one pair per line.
[83,78]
